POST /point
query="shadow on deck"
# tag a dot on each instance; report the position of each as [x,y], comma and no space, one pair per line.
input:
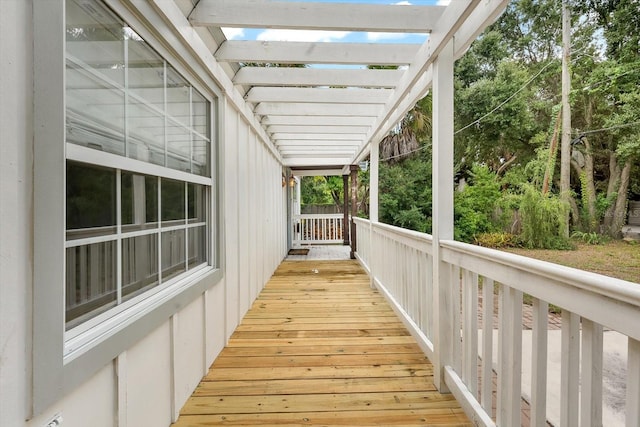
[320,347]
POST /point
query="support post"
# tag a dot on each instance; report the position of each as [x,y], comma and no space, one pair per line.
[345,210]
[376,255]
[354,208]
[442,172]
[565,147]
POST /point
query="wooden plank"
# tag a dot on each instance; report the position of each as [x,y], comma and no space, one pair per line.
[324,360]
[320,349]
[318,402]
[312,386]
[380,371]
[338,333]
[407,417]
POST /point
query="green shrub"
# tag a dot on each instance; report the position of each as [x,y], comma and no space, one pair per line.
[496,240]
[591,238]
[543,220]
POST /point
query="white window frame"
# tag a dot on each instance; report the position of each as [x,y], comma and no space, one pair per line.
[62,361]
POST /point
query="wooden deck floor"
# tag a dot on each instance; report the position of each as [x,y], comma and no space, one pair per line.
[320,347]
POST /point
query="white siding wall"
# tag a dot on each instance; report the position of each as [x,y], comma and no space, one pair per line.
[148,383]
[16,134]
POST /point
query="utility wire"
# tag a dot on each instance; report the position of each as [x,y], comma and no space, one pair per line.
[475,122]
[625,125]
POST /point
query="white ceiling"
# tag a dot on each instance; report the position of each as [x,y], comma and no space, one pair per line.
[326,114]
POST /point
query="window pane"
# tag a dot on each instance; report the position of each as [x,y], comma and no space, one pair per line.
[139,264]
[172,201]
[139,202]
[151,199]
[200,113]
[91,201]
[95,112]
[95,37]
[197,246]
[178,146]
[146,71]
[178,96]
[201,156]
[197,203]
[173,253]
[146,134]
[90,281]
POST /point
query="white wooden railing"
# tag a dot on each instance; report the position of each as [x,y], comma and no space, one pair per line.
[567,364]
[311,229]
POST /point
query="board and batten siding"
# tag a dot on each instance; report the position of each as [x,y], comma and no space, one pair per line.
[148,382]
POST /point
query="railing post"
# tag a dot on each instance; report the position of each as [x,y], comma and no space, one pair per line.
[345,210]
[373,206]
[442,209]
[354,208]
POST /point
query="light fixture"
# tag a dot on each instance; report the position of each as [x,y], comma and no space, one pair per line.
[284,181]
[364,165]
[292,181]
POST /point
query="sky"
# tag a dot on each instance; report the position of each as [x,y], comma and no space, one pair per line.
[333,36]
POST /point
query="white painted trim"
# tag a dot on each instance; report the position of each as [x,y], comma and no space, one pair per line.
[316,16]
[283,76]
[49,203]
[83,154]
[316,52]
[122,382]
[466,399]
[312,95]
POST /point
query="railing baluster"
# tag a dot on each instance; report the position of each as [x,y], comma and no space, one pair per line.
[455,308]
[510,357]
[633,385]
[591,381]
[539,363]
[486,393]
[470,331]
[570,369]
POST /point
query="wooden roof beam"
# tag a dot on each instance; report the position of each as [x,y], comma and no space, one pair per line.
[330,95]
[284,76]
[316,52]
[316,16]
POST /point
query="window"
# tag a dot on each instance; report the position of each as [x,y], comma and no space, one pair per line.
[138,169]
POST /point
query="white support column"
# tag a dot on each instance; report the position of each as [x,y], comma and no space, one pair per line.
[373,181]
[442,206]
[374,162]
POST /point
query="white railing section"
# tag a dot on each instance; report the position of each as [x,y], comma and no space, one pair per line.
[400,265]
[403,269]
[309,229]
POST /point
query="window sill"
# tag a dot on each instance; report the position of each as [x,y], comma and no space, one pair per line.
[83,342]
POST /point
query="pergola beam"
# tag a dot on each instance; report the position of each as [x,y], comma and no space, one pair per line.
[318,109]
[315,16]
[316,137]
[332,121]
[343,130]
[325,95]
[249,51]
[285,76]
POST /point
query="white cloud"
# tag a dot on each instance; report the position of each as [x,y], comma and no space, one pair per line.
[301,35]
[233,33]
[403,3]
[443,2]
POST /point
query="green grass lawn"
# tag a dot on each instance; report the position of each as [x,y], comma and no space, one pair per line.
[615,258]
